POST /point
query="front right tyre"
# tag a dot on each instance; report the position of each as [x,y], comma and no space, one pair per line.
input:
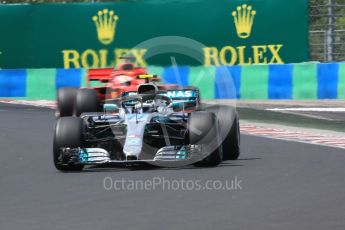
[68,133]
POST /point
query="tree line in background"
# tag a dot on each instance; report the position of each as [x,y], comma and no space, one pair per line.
[319,13]
[327,30]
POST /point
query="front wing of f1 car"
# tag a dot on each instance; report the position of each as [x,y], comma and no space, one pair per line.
[165,156]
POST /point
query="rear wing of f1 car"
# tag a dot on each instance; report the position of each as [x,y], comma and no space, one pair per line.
[106,74]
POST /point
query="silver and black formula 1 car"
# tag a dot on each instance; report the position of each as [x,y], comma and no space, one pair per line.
[162,128]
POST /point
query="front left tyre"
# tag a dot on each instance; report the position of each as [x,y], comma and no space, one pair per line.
[229,130]
[204,130]
[68,133]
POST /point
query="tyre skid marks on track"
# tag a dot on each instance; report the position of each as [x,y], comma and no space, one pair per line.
[251,129]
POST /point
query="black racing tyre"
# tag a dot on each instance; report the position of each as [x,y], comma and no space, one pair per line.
[65,101]
[229,129]
[231,144]
[68,133]
[86,101]
[203,129]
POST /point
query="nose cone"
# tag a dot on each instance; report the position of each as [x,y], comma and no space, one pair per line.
[133,146]
[135,133]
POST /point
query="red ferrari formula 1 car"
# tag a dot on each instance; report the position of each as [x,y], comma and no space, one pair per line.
[123,79]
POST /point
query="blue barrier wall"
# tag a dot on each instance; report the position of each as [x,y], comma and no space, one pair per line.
[286,81]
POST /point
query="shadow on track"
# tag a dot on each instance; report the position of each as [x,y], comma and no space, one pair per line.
[152,167]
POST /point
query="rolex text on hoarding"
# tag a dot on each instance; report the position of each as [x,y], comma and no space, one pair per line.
[90,58]
[243,55]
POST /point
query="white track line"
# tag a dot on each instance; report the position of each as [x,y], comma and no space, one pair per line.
[311,109]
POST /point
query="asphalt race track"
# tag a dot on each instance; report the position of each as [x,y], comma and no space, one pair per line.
[284,185]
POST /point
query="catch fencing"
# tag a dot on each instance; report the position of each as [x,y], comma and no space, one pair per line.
[327,31]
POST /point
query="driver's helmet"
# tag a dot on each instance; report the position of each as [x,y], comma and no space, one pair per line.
[126,66]
[148,88]
[122,80]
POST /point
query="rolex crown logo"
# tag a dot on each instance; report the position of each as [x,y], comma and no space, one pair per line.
[244,18]
[105,22]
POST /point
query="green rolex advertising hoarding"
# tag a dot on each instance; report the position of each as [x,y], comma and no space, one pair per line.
[231,32]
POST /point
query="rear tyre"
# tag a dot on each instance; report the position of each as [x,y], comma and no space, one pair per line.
[203,129]
[65,101]
[86,101]
[68,133]
[229,130]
